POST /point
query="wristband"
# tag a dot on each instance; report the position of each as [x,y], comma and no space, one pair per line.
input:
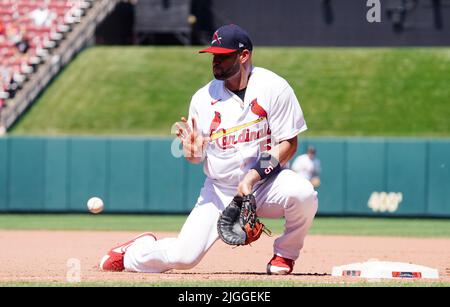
[267,165]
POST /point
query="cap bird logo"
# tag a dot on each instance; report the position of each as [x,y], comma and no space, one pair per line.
[216,38]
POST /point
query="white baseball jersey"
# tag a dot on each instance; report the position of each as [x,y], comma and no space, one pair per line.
[241,130]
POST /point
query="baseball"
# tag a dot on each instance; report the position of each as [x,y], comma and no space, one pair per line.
[95,205]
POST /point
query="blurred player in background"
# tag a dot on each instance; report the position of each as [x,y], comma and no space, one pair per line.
[308,166]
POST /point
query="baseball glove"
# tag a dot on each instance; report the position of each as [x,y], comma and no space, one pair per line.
[238,223]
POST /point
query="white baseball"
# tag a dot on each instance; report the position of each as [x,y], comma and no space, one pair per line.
[95,205]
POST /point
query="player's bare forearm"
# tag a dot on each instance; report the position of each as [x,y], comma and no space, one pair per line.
[283,152]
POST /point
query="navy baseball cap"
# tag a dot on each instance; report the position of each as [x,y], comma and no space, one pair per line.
[229,39]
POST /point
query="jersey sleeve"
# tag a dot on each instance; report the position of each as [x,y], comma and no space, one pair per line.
[192,110]
[286,117]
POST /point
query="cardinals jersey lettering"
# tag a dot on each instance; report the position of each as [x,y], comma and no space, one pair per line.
[241,130]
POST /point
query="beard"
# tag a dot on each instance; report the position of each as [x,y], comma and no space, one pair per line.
[224,74]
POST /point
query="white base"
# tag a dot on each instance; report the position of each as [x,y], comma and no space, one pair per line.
[384,269]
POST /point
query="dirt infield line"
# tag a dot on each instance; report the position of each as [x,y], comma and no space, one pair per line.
[49,256]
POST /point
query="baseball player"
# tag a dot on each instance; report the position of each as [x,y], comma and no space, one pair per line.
[244,114]
[308,166]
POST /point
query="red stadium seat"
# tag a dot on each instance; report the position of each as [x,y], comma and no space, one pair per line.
[43,30]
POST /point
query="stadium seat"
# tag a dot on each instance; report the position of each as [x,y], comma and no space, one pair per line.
[29,31]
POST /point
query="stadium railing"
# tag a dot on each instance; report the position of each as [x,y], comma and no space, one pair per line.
[51,46]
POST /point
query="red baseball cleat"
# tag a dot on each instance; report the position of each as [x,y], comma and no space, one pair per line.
[280,266]
[113,260]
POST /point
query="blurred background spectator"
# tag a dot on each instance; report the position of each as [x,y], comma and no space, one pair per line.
[308,166]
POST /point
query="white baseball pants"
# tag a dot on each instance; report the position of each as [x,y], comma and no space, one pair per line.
[288,194]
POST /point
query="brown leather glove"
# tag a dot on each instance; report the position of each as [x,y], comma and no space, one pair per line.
[238,223]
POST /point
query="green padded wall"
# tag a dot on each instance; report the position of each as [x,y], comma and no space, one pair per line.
[406,174]
[166,178]
[194,177]
[88,172]
[3,174]
[56,174]
[127,175]
[332,187]
[26,174]
[365,173]
[360,176]
[439,178]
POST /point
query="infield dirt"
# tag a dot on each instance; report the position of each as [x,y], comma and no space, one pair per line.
[45,256]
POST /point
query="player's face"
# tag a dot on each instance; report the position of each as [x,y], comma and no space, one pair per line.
[226,66]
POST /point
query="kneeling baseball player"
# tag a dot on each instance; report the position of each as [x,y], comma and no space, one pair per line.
[243,127]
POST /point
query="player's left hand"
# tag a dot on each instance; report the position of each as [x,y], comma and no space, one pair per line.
[245,187]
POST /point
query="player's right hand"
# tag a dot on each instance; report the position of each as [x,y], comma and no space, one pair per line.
[194,143]
[245,187]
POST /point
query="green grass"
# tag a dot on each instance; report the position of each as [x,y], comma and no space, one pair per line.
[91,222]
[321,225]
[343,91]
[230,283]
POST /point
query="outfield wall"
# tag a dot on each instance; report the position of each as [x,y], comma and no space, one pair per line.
[360,176]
